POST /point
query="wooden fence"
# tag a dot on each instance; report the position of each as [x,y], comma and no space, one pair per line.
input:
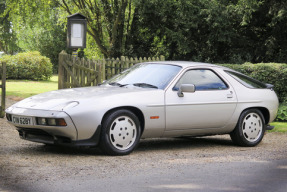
[3,90]
[76,72]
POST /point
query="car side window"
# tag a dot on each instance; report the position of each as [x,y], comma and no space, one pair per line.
[203,79]
[246,81]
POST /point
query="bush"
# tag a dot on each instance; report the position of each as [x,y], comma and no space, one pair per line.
[282,113]
[272,73]
[29,65]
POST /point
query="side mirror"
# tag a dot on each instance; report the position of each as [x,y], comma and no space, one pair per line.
[189,88]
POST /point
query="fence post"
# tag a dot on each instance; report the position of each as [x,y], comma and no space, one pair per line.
[60,71]
[103,70]
[98,72]
[3,94]
[75,72]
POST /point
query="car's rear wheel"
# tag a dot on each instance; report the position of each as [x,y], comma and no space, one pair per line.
[250,128]
[120,132]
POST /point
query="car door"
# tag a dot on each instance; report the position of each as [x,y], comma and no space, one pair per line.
[211,105]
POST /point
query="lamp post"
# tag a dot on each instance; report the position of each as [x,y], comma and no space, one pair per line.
[76,32]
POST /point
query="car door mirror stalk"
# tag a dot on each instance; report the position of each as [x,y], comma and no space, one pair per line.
[189,88]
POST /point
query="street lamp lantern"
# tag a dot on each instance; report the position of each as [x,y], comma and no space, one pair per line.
[77,30]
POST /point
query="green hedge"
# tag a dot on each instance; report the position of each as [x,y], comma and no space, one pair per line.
[272,73]
[282,113]
[29,65]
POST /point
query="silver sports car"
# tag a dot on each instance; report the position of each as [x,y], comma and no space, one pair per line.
[154,99]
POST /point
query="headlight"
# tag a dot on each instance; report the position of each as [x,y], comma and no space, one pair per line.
[51,121]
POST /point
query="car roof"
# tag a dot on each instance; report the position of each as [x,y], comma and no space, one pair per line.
[185,64]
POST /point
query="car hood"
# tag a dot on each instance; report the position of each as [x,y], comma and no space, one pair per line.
[61,99]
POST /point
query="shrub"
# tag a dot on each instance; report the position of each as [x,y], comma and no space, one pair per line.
[272,73]
[29,65]
[282,113]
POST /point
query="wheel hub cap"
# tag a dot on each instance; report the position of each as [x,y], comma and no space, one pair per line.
[123,133]
[252,127]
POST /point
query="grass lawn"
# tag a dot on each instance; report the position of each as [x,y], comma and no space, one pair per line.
[279,127]
[26,88]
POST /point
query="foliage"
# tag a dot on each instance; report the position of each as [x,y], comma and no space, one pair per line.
[37,29]
[109,22]
[8,40]
[267,31]
[92,51]
[282,112]
[45,36]
[272,73]
[217,31]
[199,30]
[29,65]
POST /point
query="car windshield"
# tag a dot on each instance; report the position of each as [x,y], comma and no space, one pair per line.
[146,75]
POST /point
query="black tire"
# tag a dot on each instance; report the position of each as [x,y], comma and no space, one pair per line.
[120,133]
[250,128]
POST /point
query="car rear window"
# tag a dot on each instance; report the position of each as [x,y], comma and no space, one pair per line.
[247,81]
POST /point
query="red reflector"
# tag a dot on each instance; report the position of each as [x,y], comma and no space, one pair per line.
[154,117]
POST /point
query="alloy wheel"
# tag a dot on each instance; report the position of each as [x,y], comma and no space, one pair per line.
[123,132]
[252,126]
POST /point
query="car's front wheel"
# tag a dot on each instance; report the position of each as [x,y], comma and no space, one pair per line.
[250,128]
[120,132]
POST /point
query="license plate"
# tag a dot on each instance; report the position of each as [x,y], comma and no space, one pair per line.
[22,120]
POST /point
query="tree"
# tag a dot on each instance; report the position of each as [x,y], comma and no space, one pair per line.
[217,31]
[109,22]
[267,30]
[8,40]
[46,36]
[198,30]
[35,24]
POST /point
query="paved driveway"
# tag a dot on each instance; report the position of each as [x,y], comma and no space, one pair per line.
[190,164]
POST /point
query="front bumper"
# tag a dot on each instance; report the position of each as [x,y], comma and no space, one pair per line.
[44,133]
[40,136]
[60,135]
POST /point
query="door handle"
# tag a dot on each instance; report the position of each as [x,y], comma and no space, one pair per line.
[230,95]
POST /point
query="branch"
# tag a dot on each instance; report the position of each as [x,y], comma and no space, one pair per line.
[82,2]
[66,7]
[107,13]
[98,41]
[1,47]
[118,20]
[129,17]
[89,4]
[78,5]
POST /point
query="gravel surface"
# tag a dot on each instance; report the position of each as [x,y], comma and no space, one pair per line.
[23,162]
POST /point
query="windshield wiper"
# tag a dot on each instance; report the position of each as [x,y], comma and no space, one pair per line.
[117,84]
[145,85]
